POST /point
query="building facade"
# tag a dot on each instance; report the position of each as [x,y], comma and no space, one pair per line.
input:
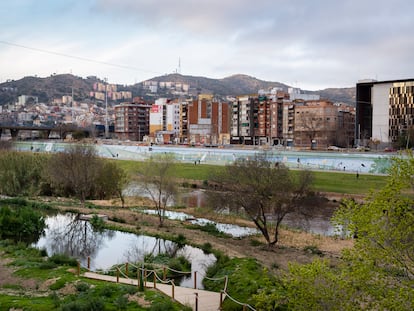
[132,120]
[384,110]
[207,121]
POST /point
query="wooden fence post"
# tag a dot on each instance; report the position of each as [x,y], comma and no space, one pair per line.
[172,289]
[196,301]
[195,279]
[126,269]
[155,280]
[117,274]
[89,263]
[138,278]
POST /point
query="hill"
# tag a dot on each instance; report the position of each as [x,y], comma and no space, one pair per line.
[56,86]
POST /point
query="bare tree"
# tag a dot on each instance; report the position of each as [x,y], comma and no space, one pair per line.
[157,177]
[310,125]
[264,192]
[75,171]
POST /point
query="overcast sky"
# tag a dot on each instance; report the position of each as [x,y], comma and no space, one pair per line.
[311,44]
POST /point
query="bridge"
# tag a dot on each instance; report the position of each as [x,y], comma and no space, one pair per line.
[61,129]
[197,299]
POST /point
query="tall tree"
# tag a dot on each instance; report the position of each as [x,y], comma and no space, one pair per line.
[158,181]
[75,171]
[265,193]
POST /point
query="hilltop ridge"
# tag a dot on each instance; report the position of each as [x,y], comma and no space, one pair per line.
[54,86]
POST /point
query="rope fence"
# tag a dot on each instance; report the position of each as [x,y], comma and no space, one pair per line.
[143,274]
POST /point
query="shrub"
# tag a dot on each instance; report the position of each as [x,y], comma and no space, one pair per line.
[60,283]
[313,249]
[61,259]
[82,287]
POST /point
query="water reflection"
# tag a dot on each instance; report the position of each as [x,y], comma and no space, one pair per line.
[233,230]
[66,234]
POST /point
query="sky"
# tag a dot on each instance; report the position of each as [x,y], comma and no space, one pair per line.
[310,44]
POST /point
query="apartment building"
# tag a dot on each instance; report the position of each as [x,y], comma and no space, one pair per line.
[384,110]
[272,118]
[165,120]
[258,119]
[207,121]
[132,120]
[320,123]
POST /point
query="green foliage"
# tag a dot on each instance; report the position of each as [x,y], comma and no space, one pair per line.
[21,224]
[60,283]
[61,259]
[377,273]
[97,223]
[20,173]
[246,277]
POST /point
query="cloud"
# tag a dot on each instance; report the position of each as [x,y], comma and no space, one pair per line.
[317,43]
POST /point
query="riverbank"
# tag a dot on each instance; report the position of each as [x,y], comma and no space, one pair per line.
[293,246]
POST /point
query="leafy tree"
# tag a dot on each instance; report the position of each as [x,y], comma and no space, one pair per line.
[20,173]
[378,272]
[21,224]
[264,192]
[157,177]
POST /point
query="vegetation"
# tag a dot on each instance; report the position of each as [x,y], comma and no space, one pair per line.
[338,182]
[81,173]
[20,173]
[65,291]
[377,273]
[246,277]
[264,193]
[21,224]
[157,175]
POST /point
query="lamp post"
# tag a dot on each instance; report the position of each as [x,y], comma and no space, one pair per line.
[106,109]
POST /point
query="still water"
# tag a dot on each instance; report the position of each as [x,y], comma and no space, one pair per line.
[68,235]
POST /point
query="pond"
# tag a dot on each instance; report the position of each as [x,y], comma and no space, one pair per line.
[230,229]
[317,224]
[68,235]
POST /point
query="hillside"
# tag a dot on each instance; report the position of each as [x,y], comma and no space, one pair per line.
[56,86]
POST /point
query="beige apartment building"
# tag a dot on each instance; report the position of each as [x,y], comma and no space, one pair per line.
[319,124]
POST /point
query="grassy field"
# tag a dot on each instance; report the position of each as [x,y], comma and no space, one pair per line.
[345,183]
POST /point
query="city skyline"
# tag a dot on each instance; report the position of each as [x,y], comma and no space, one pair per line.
[307,44]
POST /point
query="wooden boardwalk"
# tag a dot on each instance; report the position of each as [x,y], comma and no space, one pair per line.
[207,301]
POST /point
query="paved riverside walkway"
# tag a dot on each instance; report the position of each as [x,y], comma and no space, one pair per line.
[207,301]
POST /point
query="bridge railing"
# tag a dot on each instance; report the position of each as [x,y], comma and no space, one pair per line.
[144,274]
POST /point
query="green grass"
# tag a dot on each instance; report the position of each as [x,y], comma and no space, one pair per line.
[345,183]
[90,295]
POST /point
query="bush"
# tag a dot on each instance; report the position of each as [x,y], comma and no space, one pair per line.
[162,306]
[21,224]
[313,249]
[61,259]
[82,287]
[60,283]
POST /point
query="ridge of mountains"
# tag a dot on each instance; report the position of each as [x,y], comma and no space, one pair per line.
[55,86]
